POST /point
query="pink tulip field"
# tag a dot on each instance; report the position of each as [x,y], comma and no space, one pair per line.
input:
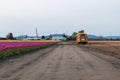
[12,48]
[13,45]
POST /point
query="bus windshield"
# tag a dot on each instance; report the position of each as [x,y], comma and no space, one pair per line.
[82,35]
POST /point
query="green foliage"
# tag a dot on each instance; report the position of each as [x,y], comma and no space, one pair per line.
[82,31]
[64,35]
[10,36]
[43,37]
[74,34]
[13,52]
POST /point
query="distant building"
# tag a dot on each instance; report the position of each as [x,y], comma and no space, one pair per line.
[58,37]
[48,37]
[24,37]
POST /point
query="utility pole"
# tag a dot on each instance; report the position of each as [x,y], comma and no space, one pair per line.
[36,33]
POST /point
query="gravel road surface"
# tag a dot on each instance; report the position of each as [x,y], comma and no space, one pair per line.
[60,62]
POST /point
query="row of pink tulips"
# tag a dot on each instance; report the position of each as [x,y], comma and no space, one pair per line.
[12,45]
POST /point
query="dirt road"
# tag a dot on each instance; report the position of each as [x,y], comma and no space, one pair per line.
[61,62]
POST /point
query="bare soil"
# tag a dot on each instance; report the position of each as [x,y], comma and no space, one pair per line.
[111,48]
[60,62]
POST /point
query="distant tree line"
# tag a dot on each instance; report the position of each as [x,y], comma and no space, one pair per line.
[10,36]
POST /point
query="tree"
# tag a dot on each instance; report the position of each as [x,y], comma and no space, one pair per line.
[82,31]
[74,34]
[10,36]
[64,35]
[26,36]
[43,37]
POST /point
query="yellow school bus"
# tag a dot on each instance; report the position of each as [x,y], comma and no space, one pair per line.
[82,38]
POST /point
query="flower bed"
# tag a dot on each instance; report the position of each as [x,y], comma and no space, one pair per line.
[13,45]
[11,48]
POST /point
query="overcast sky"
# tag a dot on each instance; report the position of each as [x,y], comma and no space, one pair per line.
[99,17]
